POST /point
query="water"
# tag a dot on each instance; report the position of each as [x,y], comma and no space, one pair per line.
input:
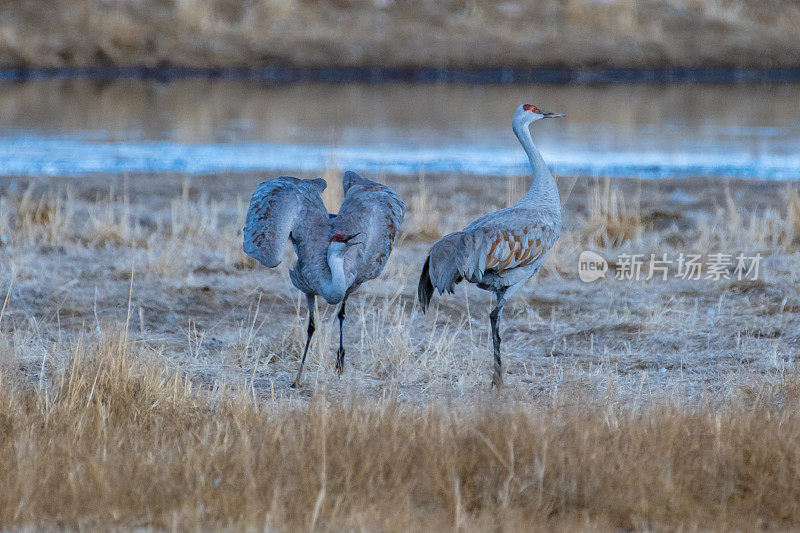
[75,127]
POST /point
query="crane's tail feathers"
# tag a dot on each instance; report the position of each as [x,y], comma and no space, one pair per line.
[453,259]
[425,287]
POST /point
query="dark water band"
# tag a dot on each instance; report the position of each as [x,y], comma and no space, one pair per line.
[275,74]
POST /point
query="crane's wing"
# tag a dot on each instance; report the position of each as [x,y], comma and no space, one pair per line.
[468,254]
[279,207]
[375,212]
[518,247]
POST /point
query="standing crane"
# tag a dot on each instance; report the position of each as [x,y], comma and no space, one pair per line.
[335,253]
[500,251]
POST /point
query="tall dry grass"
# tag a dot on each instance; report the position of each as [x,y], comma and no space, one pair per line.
[575,33]
[612,222]
[656,406]
[178,238]
[773,228]
[38,217]
[423,223]
[115,439]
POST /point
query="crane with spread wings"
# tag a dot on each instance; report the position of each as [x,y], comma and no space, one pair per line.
[336,253]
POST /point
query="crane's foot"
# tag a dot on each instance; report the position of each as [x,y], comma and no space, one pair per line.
[497,381]
[340,361]
[296,383]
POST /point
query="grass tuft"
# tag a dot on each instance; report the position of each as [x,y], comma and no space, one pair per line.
[611,222]
[423,222]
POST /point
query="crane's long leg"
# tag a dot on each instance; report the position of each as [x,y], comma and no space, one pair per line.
[497,377]
[340,353]
[310,299]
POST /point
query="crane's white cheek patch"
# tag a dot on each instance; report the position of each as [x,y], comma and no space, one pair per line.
[591,266]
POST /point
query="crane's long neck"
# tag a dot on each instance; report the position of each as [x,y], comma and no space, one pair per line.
[334,288]
[543,188]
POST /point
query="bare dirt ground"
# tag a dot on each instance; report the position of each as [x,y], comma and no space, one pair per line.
[131,310]
[402,33]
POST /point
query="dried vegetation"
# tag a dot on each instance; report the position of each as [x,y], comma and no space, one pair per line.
[145,364]
[402,33]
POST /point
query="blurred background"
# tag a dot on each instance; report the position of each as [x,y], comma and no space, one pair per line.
[652,88]
[405,33]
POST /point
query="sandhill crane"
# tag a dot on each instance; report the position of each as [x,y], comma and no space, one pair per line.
[335,253]
[500,251]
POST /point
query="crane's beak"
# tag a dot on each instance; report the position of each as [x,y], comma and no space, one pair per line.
[548,114]
[347,239]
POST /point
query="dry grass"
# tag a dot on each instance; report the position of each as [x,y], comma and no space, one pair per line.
[654,405]
[574,33]
[423,217]
[612,222]
[40,219]
[116,439]
[776,227]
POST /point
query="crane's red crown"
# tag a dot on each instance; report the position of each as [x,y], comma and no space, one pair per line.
[529,107]
[339,237]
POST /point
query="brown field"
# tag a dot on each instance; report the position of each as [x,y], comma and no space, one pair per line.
[145,365]
[401,33]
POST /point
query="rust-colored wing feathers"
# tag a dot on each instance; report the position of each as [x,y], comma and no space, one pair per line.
[515,248]
[469,254]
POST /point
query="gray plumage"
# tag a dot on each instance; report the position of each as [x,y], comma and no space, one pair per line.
[495,251]
[277,207]
[287,209]
[335,253]
[500,251]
